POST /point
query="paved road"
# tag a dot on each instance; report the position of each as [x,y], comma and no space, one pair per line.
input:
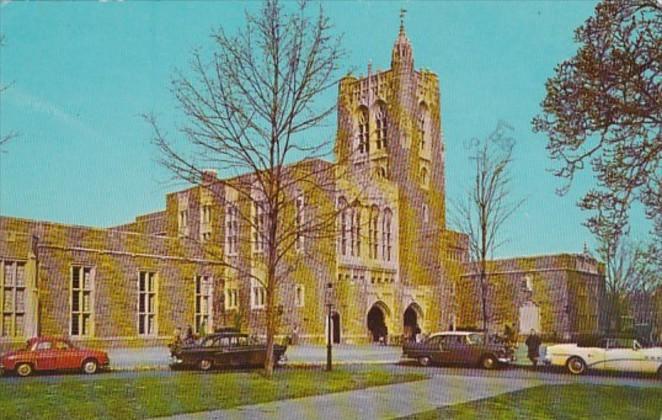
[158,357]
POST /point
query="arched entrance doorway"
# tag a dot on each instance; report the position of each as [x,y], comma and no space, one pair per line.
[377,322]
[335,331]
[411,319]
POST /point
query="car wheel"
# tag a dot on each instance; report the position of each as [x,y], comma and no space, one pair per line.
[24,369]
[205,365]
[90,366]
[488,362]
[576,365]
[424,361]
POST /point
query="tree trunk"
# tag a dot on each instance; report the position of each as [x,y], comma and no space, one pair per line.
[271,324]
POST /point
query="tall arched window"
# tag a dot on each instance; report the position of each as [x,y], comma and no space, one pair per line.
[373,232]
[363,131]
[386,234]
[422,124]
[342,206]
[357,229]
[426,213]
[380,118]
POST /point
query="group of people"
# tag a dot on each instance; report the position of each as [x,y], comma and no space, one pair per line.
[533,342]
[189,338]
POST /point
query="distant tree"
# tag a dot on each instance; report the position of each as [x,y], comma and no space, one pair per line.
[5,137]
[632,275]
[246,112]
[487,204]
[604,109]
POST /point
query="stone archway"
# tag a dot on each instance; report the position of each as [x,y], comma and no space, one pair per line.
[376,322]
[412,319]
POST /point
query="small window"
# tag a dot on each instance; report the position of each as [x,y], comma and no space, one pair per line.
[203,304]
[61,345]
[259,226]
[231,230]
[183,223]
[82,301]
[424,177]
[13,302]
[380,118]
[44,345]
[300,222]
[258,296]
[147,303]
[299,295]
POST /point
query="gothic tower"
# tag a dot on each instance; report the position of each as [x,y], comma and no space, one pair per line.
[389,135]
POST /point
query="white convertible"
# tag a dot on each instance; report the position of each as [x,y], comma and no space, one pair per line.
[618,354]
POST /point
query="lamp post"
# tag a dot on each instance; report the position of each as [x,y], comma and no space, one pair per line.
[329,345]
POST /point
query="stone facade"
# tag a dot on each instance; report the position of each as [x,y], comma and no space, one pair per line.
[389,266]
[557,295]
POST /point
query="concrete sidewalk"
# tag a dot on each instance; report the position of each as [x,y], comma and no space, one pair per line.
[382,402]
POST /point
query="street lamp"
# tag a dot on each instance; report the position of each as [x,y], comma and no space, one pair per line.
[329,306]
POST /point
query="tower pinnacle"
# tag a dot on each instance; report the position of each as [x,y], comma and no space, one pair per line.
[402,56]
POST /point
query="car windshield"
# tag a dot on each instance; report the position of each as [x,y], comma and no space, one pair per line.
[476,339]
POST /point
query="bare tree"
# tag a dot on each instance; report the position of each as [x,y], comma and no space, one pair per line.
[5,137]
[487,204]
[632,273]
[246,110]
[604,109]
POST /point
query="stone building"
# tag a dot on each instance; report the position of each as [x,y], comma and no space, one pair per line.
[390,267]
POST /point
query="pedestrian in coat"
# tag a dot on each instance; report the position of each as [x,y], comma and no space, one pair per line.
[533,344]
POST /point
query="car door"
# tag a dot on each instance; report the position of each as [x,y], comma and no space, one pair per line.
[222,352]
[242,351]
[652,359]
[67,357]
[432,348]
[622,355]
[455,348]
[595,354]
[45,355]
[444,349]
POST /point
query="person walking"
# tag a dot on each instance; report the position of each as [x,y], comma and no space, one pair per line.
[533,342]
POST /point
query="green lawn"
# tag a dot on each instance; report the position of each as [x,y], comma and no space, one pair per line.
[560,402]
[158,395]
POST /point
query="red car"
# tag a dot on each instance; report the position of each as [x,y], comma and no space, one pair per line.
[49,353]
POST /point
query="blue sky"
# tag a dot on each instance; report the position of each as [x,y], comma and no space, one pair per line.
[83,73]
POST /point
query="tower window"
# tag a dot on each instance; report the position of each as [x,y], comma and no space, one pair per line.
[424,177]
[380,118]
[363,130]
[386,235]
[422,120]
[342,204]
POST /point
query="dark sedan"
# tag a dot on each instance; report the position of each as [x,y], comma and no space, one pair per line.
[224,350]
[455,347]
